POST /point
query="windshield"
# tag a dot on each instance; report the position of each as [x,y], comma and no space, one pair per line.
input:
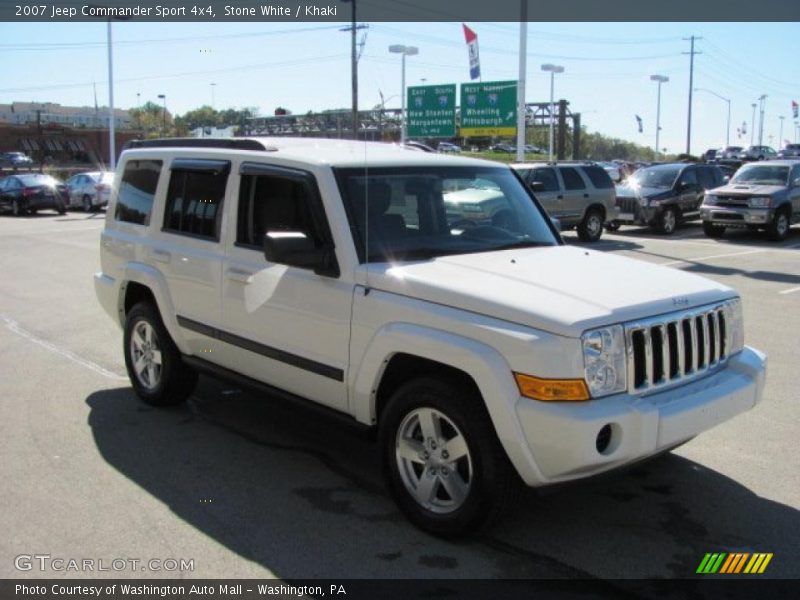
[37,179]
[417,213]
[657,177]
[762,174]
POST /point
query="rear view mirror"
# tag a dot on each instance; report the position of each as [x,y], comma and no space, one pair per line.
[296,249]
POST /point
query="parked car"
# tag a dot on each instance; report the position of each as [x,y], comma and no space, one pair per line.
[16,160]
[758,153]
[790,151]
[89,191]
[323,272]
[663,195]
[711,155]
[763,195]
[580,195]
[414,145]
[730,152]
[30,192]
[531,149]
[504,147]
[448,147]
[613,170]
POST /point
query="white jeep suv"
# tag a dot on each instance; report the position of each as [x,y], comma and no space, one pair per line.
[482,350]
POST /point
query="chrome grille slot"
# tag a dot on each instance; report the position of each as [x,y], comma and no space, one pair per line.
[672,349]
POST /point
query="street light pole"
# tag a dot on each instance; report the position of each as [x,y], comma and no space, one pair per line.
[112,151]
[728,127]
[403,51]
[753,124]
[552,69]
[163,115]
[761,102]
[658,79]
[780,137]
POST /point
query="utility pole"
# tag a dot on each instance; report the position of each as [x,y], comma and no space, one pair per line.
[761,102]
[780,137]
[691,54]
[753,125]
[523,51]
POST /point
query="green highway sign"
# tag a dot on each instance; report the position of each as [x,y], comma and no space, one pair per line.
[488,108]
[431,111]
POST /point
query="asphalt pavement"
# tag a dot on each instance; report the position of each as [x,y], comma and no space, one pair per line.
[242,486]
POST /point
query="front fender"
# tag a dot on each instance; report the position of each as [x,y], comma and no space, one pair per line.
[486,366]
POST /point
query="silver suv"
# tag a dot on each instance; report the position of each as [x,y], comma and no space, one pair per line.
[578,194]
[762,195]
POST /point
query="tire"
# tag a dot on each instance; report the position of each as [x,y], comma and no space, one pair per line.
[456,417]
[612,225]
[778,229]
[713,231]
[87,203]
[163,379]
[667,221]
[591,228]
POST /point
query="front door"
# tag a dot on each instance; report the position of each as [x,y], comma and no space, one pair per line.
[550,196]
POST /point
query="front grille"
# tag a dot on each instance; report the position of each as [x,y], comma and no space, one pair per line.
[734,201]
[675,348]
[627,205]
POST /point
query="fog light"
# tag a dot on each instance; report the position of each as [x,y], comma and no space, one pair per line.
[603,438]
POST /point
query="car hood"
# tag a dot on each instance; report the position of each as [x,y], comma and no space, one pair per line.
[743,188]
[628,191]
[560,289]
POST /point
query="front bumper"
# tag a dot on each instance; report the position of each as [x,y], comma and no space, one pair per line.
[735,216]
[630,210]
[562,437]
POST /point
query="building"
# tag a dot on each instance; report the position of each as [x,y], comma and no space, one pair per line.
[50,113]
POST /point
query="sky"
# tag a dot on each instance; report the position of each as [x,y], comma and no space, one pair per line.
[306,66]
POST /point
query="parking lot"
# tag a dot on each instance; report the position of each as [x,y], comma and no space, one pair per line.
[246,487]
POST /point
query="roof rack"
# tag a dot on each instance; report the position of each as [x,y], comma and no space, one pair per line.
[234,143]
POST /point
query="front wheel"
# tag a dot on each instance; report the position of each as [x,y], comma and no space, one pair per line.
[778,230]
[667,221]
[445,466]
[16,208]
[155,367]
[591,228]
[713,231]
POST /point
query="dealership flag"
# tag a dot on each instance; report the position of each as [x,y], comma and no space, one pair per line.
[472,46]
[639,121]
[794,104]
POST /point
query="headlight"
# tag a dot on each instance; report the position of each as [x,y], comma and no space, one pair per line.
[604,360]
[760,202]
[710,200]
[735,323]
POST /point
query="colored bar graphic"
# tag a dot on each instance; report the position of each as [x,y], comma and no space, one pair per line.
[723,563]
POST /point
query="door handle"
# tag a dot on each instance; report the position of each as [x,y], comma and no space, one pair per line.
[239,275]
[162,256]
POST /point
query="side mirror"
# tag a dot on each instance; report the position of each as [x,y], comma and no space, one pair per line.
[537,186]
[796,182]
[726,179]
[296,249]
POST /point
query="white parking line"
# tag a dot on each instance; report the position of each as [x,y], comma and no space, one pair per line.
[14,327]
[790,290]
[697,258]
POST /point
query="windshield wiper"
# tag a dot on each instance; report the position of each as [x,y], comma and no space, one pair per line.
[513,246]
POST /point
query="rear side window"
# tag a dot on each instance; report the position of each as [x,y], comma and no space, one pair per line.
[572,179]
[599,177]
[194,197]
[137,190]
[546,177]
[709,178]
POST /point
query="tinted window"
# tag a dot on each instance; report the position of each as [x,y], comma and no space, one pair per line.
[194,200]
[707,178]
[137,190]
[599,177]
[546,177]
[273,203]
[572,179]
[689,177]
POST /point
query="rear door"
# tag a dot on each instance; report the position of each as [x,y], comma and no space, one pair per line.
[794,191]
[690,192]
[551,196]
[576,195]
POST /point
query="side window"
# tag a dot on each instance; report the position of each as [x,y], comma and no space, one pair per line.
[547,177]
[572,179]
[795,174]
[689,177]
[137,190]
[599,178]
[194,197]
[706,177]
[273,203]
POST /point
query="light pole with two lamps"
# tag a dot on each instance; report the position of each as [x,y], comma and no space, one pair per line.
[552,69]
[404,51]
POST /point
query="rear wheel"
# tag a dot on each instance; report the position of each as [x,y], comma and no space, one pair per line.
[591,228]
[155,367]
[713,231]
[778,230]
[667,221]
[445,466]
[87,203]
[17,209]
